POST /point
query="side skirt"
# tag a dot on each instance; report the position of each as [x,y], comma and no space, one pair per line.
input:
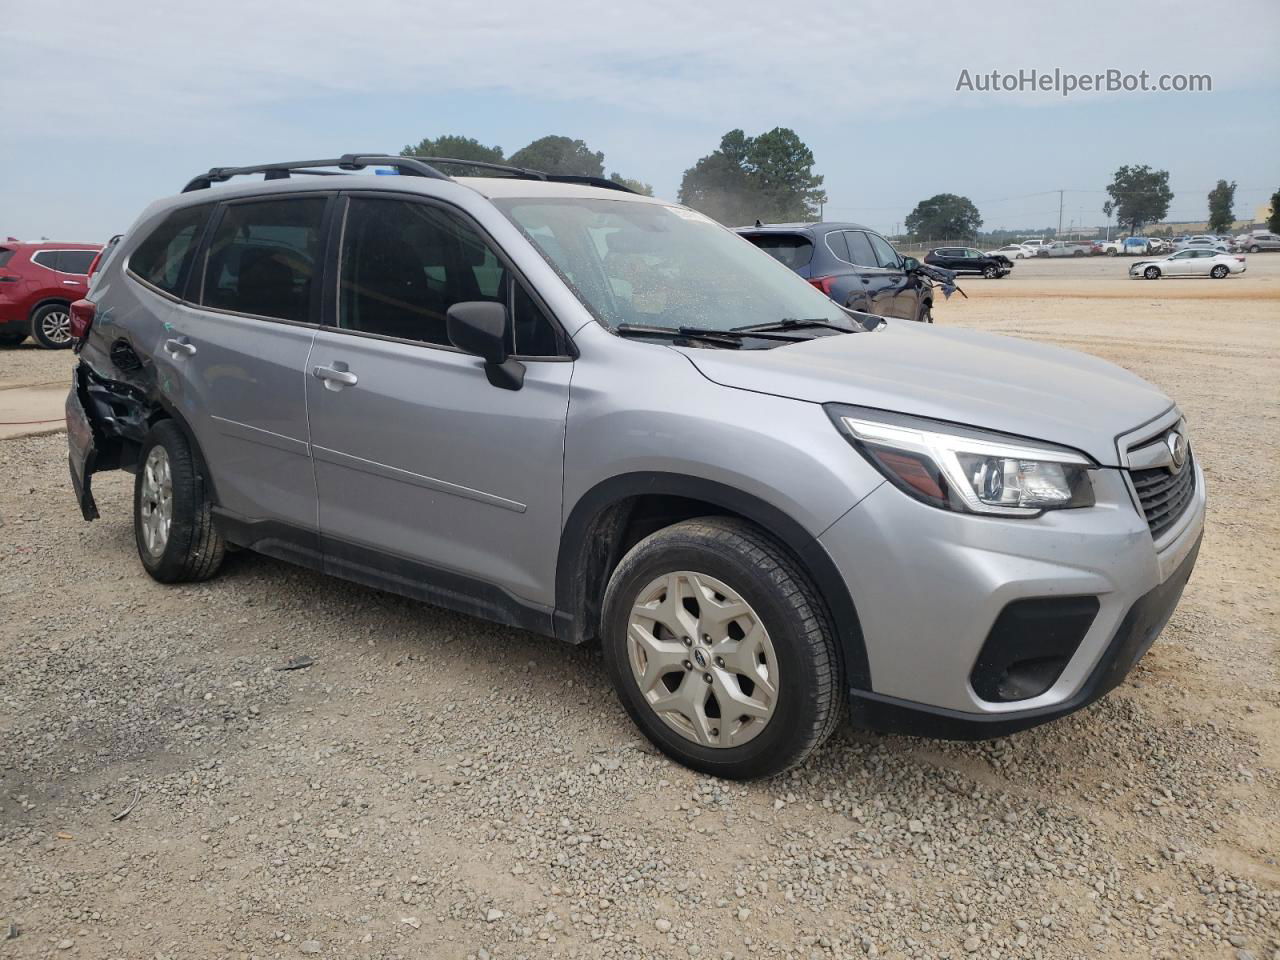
[385,571]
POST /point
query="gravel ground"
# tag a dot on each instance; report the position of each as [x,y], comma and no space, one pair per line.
[438,787]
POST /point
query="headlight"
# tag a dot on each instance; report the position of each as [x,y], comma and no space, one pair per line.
[956,468]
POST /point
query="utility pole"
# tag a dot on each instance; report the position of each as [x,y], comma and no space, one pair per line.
[1060,213]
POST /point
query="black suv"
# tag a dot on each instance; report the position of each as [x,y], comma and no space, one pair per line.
[970,260]
[852,264]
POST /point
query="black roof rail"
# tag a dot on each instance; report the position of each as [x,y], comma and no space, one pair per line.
[407,166]
[525,173]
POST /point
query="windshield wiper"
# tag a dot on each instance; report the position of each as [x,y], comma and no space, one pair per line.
[724,338]
[791,323]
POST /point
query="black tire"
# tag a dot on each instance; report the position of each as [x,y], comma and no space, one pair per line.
[12,339]
[1112,252]
[1219,271]
[990,272]
[925,313]
[1151,273]
[1077,253]
[193,549]
[809,703]
[51,326]
[1255,249]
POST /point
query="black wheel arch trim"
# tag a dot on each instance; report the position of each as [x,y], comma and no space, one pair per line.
[577,612]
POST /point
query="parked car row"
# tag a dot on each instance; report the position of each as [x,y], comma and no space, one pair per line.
[38,284]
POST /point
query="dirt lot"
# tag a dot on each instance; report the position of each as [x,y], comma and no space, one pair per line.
[437,787]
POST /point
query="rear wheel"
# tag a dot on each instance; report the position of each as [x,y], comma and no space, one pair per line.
[11,339]
[1151,273]
[51,326]
[1219,271]
[1077,253]
[720,649]
[172,516]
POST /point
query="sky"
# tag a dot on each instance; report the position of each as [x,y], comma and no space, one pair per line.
[111,105]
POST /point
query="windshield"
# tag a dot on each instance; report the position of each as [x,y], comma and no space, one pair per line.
[649,263]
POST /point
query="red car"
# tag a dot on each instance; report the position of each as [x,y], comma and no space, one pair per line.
[38,284]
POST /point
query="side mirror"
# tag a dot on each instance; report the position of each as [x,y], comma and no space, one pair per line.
[479,327]
[910,263]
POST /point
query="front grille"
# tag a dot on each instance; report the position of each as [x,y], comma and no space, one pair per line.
[1164,494]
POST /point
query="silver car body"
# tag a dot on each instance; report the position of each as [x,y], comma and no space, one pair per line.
[1192,261]
[487,500]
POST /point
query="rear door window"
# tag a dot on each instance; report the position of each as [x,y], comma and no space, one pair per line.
[264,258]
[860,251]
[164,258]
[790,249]
[75,261]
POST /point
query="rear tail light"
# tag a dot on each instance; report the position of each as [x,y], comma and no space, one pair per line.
[93,265]
[823,283]
[1241,259]
[82,313]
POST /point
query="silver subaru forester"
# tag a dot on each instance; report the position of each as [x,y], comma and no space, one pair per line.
[561,406]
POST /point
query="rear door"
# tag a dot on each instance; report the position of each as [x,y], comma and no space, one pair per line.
[73,271]
[239,348]
[426,472]
[876,295]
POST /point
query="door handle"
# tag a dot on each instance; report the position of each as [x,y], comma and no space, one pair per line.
[335,379]
[177,348]
[72,283]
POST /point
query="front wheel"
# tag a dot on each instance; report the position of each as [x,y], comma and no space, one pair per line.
[1255,249]
[721,650]
[51,326]
[1219,271]
[172,515]
[1151,273]
[990,272]
[925,313]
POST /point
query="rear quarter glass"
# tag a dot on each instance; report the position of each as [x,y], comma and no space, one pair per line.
[789,250]
[5,256]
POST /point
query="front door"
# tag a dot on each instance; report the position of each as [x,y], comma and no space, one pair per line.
[426,472]
[235,356]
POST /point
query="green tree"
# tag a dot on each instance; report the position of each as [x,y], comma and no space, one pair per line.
[768,177]
[561,155]
[1273,221]
[635,186]
[944,216]
[1222,201]
[455,147]
[1139,195]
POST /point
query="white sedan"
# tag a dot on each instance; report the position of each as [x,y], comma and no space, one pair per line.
[1189,263]
[1014,251]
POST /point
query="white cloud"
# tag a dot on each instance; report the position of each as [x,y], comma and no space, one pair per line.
[148,70]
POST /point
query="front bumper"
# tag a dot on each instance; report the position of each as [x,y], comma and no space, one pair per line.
[930,585]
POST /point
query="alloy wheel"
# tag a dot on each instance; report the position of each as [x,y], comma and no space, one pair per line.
[56,326]
[156,501]
[702,659]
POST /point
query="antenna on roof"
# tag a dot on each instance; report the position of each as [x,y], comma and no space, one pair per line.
[758,223]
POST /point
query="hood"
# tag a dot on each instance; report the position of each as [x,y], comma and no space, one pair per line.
[963,376]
